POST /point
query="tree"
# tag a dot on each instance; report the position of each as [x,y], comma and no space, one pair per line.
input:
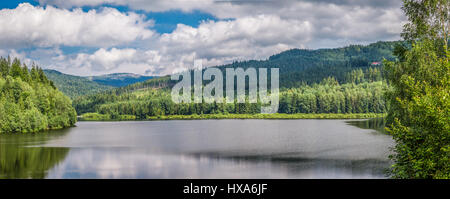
[428,19]
[4,67]
[28,104]
[16,70]
[418,117]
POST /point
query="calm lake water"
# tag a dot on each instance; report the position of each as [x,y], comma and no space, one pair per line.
[201,149]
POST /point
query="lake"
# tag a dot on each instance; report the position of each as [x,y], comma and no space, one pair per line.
[201,149]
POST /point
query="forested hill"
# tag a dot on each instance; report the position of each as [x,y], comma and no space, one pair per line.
[74,86]
[299,66]
[341,80]
[29,102]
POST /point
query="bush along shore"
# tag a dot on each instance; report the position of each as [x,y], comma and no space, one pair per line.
[105,117]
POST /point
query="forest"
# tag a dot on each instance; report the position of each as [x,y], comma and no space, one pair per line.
[300,66]
[297,68]
[29,102]
[362,92]
[337,81]
[340,80]
[406,81]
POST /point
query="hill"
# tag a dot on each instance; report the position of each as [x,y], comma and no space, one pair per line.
[341,80]
[74,86]
[301,66]
[297,67]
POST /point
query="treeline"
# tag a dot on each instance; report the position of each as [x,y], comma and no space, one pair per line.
[362,94]
[29,102]
[330,97]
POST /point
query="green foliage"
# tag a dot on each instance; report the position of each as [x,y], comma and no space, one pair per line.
[101,117]
[330,97]
[106,117]
[428,19]
[74,86]
[299,66]
[418,117]
[29,102]
[327,96]
[419,114]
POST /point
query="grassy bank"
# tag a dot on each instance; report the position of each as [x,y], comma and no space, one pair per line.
[101,117]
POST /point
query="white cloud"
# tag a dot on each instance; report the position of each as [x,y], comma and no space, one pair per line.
[29,26]
[12,53]
[231,8]
[103,61]
[244,38]
[153,5]
[214,42]
[335,22]
[258,29]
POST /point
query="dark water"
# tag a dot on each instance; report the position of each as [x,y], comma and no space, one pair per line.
[200,149]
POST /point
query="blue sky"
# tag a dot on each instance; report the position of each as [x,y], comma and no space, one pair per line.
[165,36]
[13,3]
[165,22]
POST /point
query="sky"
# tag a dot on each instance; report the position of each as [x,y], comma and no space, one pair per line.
[160,37]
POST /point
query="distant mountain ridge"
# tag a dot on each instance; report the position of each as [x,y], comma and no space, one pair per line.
[119,79]
[74,86]
[303,66]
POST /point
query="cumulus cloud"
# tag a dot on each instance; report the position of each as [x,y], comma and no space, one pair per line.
[248,30]
[113,60]
[30,26]
[341,21]
[244,38]
[213,42]
[153,5]
[12,53]
[228,8]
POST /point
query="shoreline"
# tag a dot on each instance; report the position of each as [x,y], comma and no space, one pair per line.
[100,117]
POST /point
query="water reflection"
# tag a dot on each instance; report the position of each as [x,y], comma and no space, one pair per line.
[200,149]
[18,160]
[377,124]
[132,163]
